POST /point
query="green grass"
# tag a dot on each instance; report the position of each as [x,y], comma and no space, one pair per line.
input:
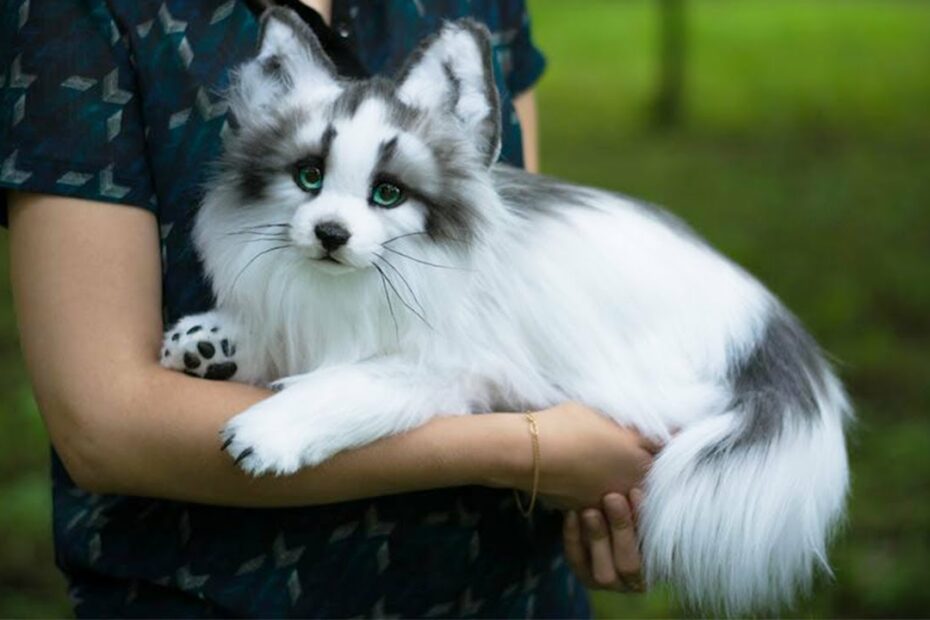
[804,155]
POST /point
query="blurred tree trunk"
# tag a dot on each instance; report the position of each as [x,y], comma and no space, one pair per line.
[668,107]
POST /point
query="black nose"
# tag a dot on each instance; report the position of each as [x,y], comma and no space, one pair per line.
[332,235]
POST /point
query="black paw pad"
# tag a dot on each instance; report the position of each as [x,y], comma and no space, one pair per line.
[191,360]
[194,330]
[220,372]
[206,349]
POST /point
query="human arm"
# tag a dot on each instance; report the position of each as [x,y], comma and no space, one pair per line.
[525,106]
[86,281]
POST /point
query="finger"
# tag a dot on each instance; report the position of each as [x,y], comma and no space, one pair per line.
[624,545]
[636,502]
[575,552]
[598,538]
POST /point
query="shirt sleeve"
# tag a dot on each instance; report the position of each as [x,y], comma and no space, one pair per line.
[70,119]
[523,63]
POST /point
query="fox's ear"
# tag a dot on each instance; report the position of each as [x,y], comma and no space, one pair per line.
[453,72]
[289,56]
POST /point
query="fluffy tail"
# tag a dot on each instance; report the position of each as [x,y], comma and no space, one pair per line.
[740,506]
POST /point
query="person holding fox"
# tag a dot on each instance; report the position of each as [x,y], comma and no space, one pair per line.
[104,154]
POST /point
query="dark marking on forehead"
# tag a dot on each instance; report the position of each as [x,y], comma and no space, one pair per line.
[355,94]
[348,103]
[386,151]
[326,141]
[404,116]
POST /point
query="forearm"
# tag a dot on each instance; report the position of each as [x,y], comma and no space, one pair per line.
[165,444]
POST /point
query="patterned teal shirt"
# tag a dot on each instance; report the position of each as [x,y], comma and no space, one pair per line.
[117,101]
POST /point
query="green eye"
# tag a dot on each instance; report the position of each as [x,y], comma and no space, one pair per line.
[309,177]
[387,195]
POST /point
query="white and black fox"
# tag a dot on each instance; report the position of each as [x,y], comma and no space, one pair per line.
[364,245]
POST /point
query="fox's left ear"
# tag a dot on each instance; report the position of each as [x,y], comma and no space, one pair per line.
[453,72]
[288,57]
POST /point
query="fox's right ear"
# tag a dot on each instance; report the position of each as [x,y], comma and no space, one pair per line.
[289,56]
[453,72]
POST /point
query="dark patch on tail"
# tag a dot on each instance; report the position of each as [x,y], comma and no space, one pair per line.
[775,384]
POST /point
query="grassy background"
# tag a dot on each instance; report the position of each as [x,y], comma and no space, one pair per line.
[804,154]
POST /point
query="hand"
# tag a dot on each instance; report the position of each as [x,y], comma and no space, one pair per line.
[601,545]
[584,454]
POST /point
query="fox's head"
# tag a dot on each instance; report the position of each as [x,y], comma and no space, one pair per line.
[334,173]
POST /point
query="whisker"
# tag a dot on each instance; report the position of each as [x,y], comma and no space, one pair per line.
[401,297]
[422,232]
[255,258]
[421,261]
[387,296]
[252,233]
[404,280]
[257,233]
[266,238]
[258,228]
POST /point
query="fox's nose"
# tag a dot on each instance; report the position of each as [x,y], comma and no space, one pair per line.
[332,235]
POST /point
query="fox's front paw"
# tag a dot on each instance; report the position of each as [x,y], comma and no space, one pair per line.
[298,427]
[264,441]
[201,345]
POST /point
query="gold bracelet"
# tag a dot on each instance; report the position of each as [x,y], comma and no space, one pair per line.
[534,435]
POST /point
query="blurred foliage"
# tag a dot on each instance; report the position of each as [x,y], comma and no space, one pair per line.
[804,154]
